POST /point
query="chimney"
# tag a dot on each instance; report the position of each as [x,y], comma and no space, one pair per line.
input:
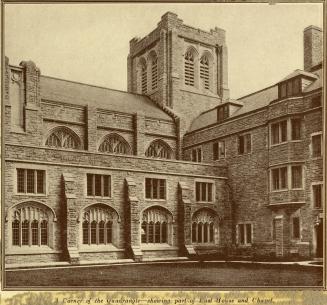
[312,41]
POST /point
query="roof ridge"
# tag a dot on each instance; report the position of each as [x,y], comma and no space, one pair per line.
[91,85]
[244,96]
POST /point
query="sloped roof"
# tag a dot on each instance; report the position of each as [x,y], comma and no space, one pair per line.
[83,94]
[256,100]
[317,83]
[299,72]
[250,102]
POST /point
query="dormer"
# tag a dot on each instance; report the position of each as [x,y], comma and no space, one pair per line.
[294,84]
[227,109]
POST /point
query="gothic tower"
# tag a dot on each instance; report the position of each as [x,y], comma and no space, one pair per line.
[180,67]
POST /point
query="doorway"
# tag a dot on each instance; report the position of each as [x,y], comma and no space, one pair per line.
[319,239]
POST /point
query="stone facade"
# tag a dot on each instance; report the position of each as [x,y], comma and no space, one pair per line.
[96,174]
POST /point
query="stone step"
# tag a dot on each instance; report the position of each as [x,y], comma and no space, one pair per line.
[165,258]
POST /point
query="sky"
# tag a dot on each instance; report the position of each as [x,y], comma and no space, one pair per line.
[89,43]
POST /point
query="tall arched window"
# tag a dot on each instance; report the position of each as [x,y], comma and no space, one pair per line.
[115,144]
[204,72]
[30,224]
[143,76]
[189,68]
[154,70]
[155,226]
[203,223]
[97,225]
[63,137]
[159,149]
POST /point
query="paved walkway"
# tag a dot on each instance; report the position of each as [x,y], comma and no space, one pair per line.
[47,265]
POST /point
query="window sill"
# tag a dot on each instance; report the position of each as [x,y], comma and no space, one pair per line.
[157,246]
[31,194]
[99,248]
[211,202]
[297,189]
[317,209]
[220,159]
[316,158]
[18,130]
[296,141]
[153,200]
[31,250]
[245,154]
[278,144]
[207,244]
[278,191]
[97,197]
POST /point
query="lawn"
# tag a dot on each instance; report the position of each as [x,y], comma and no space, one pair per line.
[168,275]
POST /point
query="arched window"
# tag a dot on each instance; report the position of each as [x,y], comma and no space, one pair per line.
[154,71]
[115,144]
[30,224]
[63,137]
[98,223]
[204,72]
[154,228]
[159,149]
[203,223]
[144,77]
[189,68]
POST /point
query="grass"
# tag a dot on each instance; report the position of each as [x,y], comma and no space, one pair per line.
[168,275]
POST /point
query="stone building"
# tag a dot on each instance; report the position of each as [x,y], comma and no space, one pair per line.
[173,167]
